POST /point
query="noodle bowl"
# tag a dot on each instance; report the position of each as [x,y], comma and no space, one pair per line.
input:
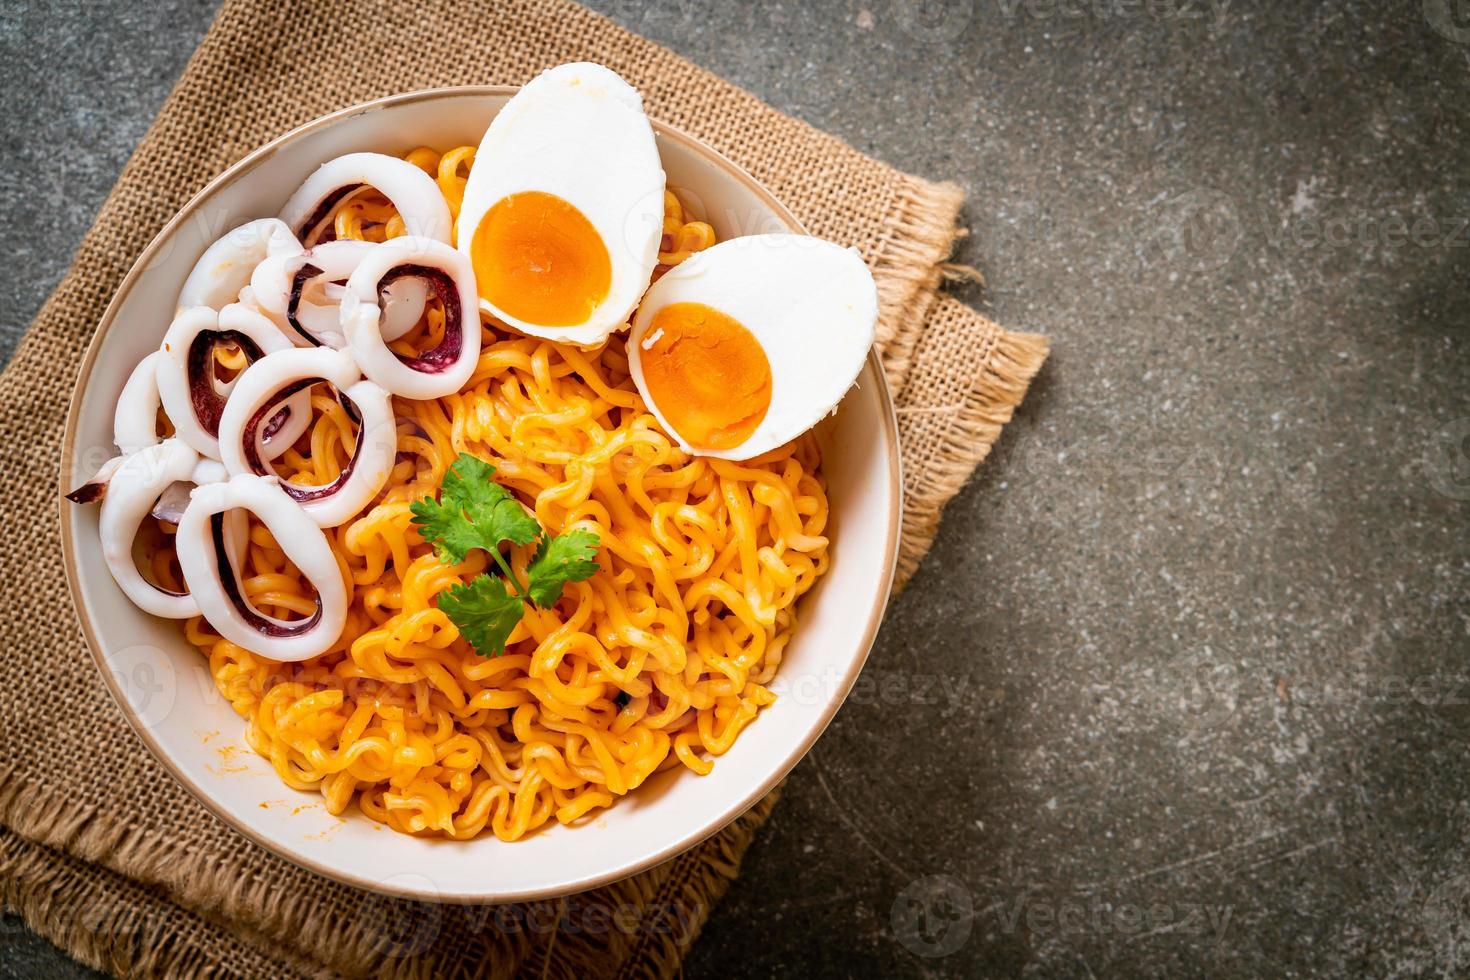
[658,661]
[809,669]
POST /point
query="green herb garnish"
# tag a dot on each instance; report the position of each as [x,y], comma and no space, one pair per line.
[474,512]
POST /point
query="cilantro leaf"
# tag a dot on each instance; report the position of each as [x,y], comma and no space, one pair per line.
[560,559]
[445,525]
[473,511]
[470,483]
[484,612]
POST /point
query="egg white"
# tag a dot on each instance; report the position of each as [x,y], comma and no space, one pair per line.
[811,305]
[577,131]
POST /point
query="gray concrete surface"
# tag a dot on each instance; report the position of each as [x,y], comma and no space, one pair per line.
[1182,689]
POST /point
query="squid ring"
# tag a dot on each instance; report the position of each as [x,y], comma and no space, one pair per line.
[448,275]
[411,191]
[171,503]
[185,376]
[134,485]
[304,290]
[224,268]
[291,373]
[213,576]
[135,423]
[135,426]
[95,488]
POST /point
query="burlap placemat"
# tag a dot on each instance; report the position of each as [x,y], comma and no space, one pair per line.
[100,849]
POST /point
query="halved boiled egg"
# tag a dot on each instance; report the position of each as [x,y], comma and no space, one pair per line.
[746,345]
[563,209]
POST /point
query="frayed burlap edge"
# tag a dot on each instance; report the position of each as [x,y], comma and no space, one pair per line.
[951,414]
[907,266]
[51,837]
[51,819]
[139,933]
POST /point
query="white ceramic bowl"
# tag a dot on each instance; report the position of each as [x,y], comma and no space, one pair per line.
[163,686]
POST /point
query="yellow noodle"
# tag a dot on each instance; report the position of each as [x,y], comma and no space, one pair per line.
[658,660]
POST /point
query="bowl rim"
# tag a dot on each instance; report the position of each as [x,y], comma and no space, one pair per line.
[797,751]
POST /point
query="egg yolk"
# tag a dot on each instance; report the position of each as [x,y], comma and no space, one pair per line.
[538,259]
[707,374]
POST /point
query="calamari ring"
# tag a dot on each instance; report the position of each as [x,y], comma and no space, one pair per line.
[213,577]
[412,193]
[135,423]
[171,503]
[135,426]
[224,268]
[447,273]
[291,373]
[94,490]
[149,469]
[135,484]
[305,291]
[186,384]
